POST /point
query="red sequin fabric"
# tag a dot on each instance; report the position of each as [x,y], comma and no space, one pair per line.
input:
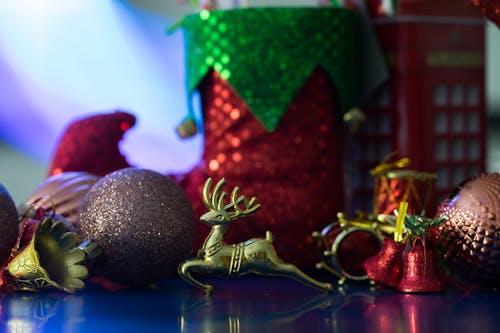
[490,9]
[91,145]
[295,171]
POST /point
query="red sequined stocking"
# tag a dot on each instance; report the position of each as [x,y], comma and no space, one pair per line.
[295,172]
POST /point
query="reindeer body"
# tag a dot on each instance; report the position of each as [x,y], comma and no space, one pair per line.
[256,255]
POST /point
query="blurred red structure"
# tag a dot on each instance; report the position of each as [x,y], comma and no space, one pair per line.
[433,108]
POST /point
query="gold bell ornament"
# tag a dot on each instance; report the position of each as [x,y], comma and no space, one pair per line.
[51,259]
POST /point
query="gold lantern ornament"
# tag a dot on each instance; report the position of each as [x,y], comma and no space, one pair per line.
[51,259]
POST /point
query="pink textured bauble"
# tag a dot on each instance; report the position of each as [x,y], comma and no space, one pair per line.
[469,240]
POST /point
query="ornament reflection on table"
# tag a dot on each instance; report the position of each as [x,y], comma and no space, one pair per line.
[469,240]
[144,223]
[29,312]
[256,255]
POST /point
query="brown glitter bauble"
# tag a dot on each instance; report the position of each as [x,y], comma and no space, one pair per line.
[469,240]
[9,225]
[143,221]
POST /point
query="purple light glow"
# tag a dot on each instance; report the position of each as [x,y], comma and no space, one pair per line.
[62,60]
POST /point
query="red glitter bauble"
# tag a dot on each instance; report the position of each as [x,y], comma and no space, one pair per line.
[295,171]
[91,144]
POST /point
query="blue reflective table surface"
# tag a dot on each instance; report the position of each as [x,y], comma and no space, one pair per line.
[249,304]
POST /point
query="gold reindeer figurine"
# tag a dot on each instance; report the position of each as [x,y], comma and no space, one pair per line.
[256,255]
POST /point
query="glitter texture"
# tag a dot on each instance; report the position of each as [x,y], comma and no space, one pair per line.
[419,273]
[394,186]
[295,172]
[144,223]
[266,54]
[8,224]
[490,9]
[469,240]
[91,145]
[385,267]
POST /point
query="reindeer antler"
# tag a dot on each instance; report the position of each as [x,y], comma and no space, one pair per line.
[206,193]
[215,201]
[250,206]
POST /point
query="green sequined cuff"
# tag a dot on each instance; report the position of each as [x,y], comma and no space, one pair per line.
[267,54]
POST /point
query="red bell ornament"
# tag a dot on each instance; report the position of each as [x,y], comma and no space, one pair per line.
[385,267]
[419,271]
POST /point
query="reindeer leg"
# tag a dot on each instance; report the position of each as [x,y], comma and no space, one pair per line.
[185,270]
[291,271]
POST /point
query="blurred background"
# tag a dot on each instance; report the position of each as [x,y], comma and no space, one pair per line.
[61,60]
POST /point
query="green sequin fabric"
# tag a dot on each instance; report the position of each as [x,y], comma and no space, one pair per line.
[267,54]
